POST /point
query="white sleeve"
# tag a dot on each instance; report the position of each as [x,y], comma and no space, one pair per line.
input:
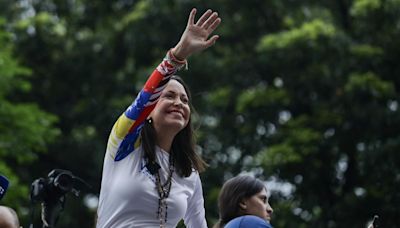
[195,214]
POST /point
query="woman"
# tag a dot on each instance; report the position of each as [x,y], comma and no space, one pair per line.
[151,171]
[243,202]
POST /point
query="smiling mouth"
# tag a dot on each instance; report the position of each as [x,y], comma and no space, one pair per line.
[176,112]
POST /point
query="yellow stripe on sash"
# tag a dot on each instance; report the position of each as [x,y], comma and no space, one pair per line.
[122,126]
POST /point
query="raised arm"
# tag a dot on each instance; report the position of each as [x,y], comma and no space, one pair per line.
[195,38]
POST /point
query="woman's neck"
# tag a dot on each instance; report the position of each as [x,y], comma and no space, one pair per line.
[164,140]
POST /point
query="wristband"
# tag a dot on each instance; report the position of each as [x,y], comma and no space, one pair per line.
[179,64]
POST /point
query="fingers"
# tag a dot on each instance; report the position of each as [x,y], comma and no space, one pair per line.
[204,17]
[192,16]
[214,25]
[210,20]
[211,41]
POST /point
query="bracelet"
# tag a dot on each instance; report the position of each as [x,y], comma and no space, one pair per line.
[175,61]
[173,58]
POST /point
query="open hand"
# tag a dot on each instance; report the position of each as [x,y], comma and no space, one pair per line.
[195,38]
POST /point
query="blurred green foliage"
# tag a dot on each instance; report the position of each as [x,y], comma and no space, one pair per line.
[303,94]
[26,130]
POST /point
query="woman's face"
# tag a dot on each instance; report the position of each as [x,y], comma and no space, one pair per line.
[172,110]
[258,205]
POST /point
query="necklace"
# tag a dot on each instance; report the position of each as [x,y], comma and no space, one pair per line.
[163,193]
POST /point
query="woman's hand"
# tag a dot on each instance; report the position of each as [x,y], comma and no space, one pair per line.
[195,37]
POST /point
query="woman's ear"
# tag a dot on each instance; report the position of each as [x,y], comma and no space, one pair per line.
[243,205]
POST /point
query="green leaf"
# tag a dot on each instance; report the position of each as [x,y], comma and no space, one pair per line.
[308,32]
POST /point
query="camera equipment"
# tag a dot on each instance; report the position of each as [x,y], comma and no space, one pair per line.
[51,191]
[375,221]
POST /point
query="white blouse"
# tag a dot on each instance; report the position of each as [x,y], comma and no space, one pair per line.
[128,196]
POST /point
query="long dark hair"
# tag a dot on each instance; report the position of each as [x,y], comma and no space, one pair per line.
[183,146]
[232,193]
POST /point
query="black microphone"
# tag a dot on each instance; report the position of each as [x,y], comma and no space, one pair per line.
[3,186]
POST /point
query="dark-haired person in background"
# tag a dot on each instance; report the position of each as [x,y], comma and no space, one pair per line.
[243,203]
[151,170]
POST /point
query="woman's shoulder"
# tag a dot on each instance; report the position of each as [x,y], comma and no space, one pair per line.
[248,221]
[191,182]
